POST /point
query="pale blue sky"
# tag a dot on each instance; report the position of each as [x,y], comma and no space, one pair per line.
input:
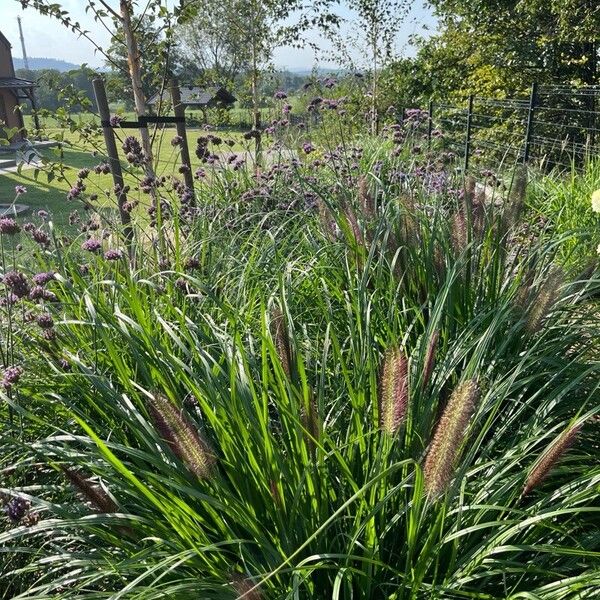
[45,37]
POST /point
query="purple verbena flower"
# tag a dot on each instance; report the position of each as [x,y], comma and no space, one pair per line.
[45,321]
[113,254]
[17,283]
[11,376]
[20,189]
[92,245]
[8,226]
[43,278]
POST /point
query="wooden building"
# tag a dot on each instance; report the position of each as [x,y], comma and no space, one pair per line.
[12,92]
[196,97]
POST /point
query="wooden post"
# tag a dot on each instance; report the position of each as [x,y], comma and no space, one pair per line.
[468,133]
[113,156]
[529,125]
[179,111]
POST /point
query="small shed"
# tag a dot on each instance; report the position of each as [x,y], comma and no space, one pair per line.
[197,97]
[12,91]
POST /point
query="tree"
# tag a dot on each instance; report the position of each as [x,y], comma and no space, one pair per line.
[519,41]
[150,43]
[215,44]
[380,20]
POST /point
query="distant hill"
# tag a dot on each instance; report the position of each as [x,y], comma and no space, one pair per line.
[35,64]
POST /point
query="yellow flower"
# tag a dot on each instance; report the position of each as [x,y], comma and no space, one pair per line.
[596,201]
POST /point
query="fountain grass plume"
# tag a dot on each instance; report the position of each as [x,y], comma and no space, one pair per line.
[443,451]
[544,300]
[393,390]
[181,436]
[98,499]
[549,457]
[430,357]
[281,338]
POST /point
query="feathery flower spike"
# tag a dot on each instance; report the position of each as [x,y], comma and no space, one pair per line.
[449,435]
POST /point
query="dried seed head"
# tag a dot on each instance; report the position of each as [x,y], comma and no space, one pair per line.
[393,390]
[544,301]
[440,461]
[470,186]
[245,588]
[281,338]
[549,457]
[309,418]
[99,500]
[459,232]
[516,197]
[181,436]
[365,199]
[430,357]
[353,223]
[327,221]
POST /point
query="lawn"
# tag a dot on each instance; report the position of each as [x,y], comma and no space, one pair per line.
[75,154]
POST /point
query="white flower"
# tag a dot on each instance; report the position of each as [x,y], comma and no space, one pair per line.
[598,249]
[596,201]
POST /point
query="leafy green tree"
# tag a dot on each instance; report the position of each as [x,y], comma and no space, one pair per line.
[506,44]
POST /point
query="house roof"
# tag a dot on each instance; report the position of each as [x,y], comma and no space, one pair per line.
[4,40]
[196,96]
[15,83]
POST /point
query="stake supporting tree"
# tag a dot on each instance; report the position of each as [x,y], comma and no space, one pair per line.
[113,157]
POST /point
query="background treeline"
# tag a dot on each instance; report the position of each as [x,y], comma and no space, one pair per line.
[489,48]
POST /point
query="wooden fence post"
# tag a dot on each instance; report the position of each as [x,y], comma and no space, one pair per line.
[113,156]
[468,133]
[179,111]
[529,126]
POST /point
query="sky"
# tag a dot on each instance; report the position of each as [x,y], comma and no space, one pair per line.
[46,37]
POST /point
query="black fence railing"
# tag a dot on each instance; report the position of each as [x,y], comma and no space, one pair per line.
[556,126]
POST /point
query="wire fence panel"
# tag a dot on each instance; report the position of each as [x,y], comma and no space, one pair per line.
[557,126]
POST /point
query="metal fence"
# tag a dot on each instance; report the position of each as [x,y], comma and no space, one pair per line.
[556,126]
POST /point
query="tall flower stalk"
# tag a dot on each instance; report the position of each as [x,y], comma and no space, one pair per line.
[181,436]
[449,435]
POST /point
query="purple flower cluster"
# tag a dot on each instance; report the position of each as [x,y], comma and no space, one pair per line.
[17,283]
[307,147]
[11,376]
[280,95]
[20,190]
[102,169]
[43,278]
[115,120]
[92,245]
[45,321]
[8,226]
[16,509]
[133,151]
[113,254]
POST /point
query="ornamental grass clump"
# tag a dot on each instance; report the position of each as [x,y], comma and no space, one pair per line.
[449,436]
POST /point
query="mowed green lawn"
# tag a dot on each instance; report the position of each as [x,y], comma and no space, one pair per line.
[74,154]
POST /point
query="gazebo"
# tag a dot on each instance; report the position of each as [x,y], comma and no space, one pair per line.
[12,91]
[196,97]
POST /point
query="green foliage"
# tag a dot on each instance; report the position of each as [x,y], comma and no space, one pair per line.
[268,475]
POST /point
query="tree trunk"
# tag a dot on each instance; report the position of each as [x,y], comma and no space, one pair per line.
[135,72]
